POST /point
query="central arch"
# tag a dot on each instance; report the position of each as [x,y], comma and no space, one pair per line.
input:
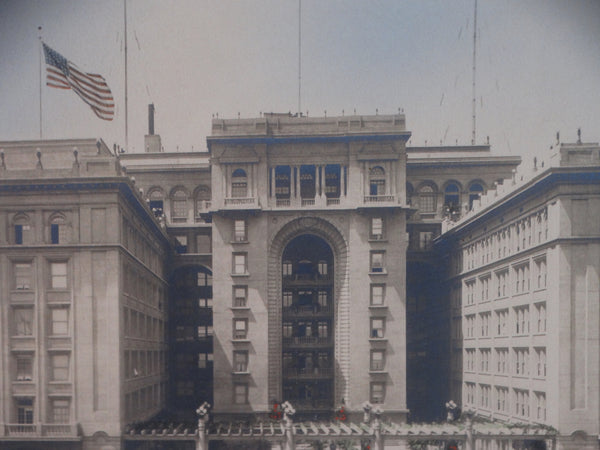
[327,241]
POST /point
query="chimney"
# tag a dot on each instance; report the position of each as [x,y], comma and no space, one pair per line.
[151,119]
[152,142]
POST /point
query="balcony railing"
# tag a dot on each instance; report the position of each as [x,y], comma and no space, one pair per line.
[306,340]
[240,201]
[333,201]
[379,198]
[315,372]
[308,202]
[41,430]
[313,309]
[283,202]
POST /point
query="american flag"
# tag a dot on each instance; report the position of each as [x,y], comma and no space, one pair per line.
[91,87]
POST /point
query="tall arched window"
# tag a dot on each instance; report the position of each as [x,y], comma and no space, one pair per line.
[427,199]
[202,200]
[179,208]
[475,192]
[239,184]
[156,199]
[377,181]
[59,229]
[452,195]
[22,229]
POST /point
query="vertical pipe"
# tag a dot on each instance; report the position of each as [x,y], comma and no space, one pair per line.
[41,56]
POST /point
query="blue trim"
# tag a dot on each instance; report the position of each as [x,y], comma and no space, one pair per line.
[306,139]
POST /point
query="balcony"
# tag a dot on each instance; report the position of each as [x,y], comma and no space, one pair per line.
[241,203]
[28,431]
[379,199]
[313,310]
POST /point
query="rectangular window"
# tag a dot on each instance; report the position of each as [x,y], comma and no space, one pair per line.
[240,394]
[540,403]
[240,263]
[288,329]
[376,228]
[19,234]
[377,261]
[522,320]
[287,299]
[323,269]
[58,233]
[203,243]
[240,361]
[24,367]
[286,269]
[180,208]
[59,321]
[23,275]
[239,230]
[59,367]
[377,393]
[23,321]
[377,294]
[59,410]
[425,240]
[377,327]
[540,311]
[181,246]
[24,407]
[240,328]
[205,360]
[323,299]
[377,360]
[58,275]
[240,296]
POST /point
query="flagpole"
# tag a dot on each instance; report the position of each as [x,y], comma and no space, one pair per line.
[126,112]
[40,74]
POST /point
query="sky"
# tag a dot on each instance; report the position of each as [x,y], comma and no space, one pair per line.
[537,69]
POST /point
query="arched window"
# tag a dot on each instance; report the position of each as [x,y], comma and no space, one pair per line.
[475,192]
[377,181]
[23,234]
[410,191]
[202,199]
[239,184]
[156,199]
[179,208]
[427,200]
[59,229]
[452,195]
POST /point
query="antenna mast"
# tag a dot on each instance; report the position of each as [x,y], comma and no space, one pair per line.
[474,130]
[299,56]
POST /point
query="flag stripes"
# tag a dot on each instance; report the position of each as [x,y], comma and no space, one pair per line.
[90,87]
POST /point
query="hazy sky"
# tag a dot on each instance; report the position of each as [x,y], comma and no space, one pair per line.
[538,66]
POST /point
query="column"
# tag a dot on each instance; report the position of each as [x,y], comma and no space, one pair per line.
[342,181]
[319,186]
[297,172]
[272,170]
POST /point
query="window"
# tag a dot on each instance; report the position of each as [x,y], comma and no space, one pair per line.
[521,361]
[452,196]
[307,181]
[59,321]
[287,299]
[59,367]
[470,359]
[240,328]
[323,269]
[542,274]
[377,393]
[240,263]
[377,261]
[240,361]
[156,197]
[540,406]
[377,360]
[475,192]
[502,399]
[58,229]
[203,243]
[23,275]
[205,360]
[24,365]
[239,184]
[540,357]
[485,391]
[501,322]
[240,296]
[540,312]
[521,403]
[59,410]
[522,320]
[485,356]
[377,294]
[179,209]
[24,407]
[58,275]
[332,180]
[425,239]
[203,279]
[23,321]
[377,327]
[427,200]
[323,299]
[286,269]
[240,394]
[22,229]
[202,200]
[377,181]
[282,182]
[204,332]
[485,319]
[376,231]
[288,329]
[181,243]
[239,230]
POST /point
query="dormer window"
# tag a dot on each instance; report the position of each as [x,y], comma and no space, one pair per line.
[239,184]
[377,181]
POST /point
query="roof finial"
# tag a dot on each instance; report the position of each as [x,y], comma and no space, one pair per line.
[579,135]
